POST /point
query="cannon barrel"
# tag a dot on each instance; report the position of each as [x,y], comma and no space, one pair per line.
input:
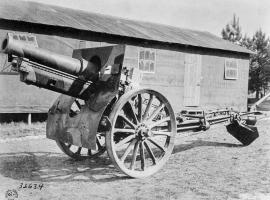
[80,76]
[53,60]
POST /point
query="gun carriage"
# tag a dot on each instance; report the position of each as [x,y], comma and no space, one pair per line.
[99,109]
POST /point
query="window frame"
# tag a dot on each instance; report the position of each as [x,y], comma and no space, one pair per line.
[28,38]
[228,68]
[147,60]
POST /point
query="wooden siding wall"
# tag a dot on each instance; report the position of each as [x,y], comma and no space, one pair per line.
[17,97]
[169,73]
[169,76]
[216,92]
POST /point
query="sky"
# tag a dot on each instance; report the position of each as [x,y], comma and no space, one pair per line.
[204,15]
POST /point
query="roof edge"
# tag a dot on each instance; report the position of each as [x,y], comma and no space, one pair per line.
[144,42]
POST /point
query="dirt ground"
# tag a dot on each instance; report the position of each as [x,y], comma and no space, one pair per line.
[204,165]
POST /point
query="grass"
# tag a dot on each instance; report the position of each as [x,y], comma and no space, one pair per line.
[21,129]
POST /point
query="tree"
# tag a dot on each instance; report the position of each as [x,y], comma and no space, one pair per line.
[259,73]
[246,42]
[232,31]
[259,62]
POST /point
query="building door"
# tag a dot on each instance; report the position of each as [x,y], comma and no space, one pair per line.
[192,80]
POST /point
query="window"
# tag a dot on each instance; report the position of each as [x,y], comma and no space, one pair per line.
[27,38]
[22,37]
[82,44]
[147,60]
[31,38]
[15,37]
[231,69]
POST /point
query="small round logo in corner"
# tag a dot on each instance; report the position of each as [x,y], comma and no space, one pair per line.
[11,194]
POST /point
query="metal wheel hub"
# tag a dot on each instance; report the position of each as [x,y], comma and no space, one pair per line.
[142,131]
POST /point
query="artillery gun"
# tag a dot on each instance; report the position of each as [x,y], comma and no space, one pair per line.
[98,109]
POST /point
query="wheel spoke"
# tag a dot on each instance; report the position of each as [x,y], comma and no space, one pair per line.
[139,107]
[124,130]
[78,104]
[89,152]
[80,153]
[124,141]
[98,144]
[148,107]
[128,149]
[142,132]
[164,133]
[142,156]
[150,153]
[127,121]
[159,122]
[131,111]
[159,108]
[79,150]
[134,155]
[156,144]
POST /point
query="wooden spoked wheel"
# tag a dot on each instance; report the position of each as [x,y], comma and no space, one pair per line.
[80,153]
[142,135]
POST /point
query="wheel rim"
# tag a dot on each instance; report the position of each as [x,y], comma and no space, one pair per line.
[81,153]
[142,135]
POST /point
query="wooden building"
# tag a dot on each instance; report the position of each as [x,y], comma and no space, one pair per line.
[192,68]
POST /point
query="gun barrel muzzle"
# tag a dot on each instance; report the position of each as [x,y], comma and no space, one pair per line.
[45,57]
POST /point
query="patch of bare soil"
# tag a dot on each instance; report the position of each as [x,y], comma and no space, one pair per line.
[204,165]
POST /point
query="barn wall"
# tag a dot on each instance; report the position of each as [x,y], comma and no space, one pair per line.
[17,97]
[169,73]
[216,92]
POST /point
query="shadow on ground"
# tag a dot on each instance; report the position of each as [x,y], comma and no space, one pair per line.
[200,143]
[53,167]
